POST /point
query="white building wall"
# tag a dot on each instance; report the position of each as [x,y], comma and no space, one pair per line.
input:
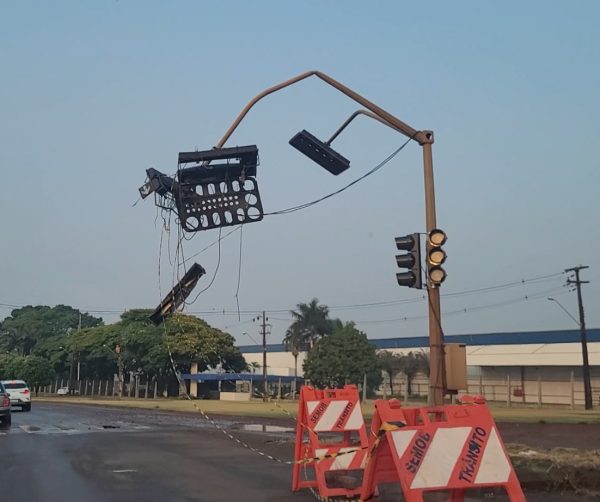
[527,355]
[278,363]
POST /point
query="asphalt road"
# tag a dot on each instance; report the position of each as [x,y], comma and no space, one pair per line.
[66,452]
[83,453]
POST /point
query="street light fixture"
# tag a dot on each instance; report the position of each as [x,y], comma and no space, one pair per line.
[320,152]
[564,309]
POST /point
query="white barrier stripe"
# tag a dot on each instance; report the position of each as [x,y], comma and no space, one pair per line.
[441,457]
[494,467]
[356,420]
[330,416]
[401,440]
[311,405]
[363,464]
[342,462]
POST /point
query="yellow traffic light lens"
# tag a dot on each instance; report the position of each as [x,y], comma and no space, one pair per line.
[437,237]
[437,256]
[437,275]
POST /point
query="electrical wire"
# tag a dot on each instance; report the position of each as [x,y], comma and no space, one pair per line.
[215,242]
[355,306]
[345,187]
[214,275]
[237,291]
[464,310]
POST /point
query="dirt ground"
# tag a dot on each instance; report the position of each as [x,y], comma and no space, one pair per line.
[536,435]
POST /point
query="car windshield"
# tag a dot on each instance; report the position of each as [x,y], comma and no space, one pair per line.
[15,385]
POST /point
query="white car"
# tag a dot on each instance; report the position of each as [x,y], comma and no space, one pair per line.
[64,391]
[19,393]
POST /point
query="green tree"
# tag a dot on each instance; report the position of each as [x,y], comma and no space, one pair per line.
[343,357]
[391,364]
[35,370]
[311,322]
[145,347]
[42,331]
[10,366]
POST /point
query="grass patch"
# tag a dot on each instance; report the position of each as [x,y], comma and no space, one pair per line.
[257,408]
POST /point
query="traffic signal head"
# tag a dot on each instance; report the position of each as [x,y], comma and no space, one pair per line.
[411,261]
[436,256]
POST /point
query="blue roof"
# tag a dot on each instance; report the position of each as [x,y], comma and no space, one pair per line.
[513,338]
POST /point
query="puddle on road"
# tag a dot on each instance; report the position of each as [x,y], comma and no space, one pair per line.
[264,428]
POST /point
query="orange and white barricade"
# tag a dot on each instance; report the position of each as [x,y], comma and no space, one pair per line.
[331,440]
[454,449]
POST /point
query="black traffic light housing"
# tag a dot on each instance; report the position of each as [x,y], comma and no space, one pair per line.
[411,261]
[178,294]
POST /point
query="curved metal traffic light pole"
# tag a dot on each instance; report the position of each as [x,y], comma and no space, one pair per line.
[352,117]
[425,139]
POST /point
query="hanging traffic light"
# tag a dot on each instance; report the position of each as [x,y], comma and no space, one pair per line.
[436,256]
[410,260]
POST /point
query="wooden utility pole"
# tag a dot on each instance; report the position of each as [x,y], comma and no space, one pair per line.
[263,332]
[587,384]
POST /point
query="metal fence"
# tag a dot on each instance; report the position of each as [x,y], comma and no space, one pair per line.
[508,390]
[134,387]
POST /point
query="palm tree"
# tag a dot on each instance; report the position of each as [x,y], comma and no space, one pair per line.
[391,364]
[295,342]
[311,321]
[411,364]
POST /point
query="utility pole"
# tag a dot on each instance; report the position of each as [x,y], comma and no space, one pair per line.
[119,369]
[78,360]
[587,384]
[263,332]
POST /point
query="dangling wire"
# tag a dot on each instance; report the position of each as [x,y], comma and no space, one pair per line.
[237,291]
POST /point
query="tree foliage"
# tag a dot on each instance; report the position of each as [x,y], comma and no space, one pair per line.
[35,370]
[52,335]
[144,347]
[39,330]
[343,357]
[311,322]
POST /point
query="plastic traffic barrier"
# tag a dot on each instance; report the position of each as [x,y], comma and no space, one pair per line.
[331,442]
[454,449]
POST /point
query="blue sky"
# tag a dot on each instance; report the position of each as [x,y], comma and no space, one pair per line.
[92,94]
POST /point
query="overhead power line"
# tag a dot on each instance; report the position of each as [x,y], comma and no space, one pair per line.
[354,306]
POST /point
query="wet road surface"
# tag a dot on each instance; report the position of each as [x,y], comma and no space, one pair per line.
[67,452]
[85,453]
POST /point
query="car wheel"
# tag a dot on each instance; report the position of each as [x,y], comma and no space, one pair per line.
[5,421]
[26,407]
